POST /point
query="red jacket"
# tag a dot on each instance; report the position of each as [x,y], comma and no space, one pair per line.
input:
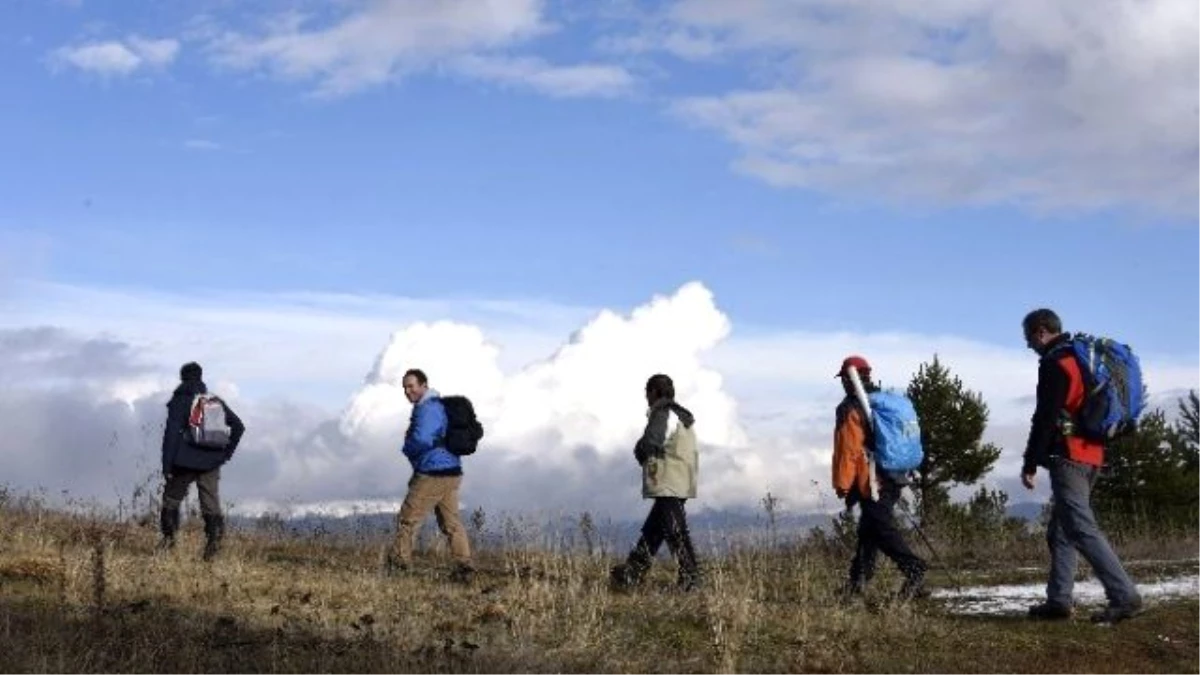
[1060,394]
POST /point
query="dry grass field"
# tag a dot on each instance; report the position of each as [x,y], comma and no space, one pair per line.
[87,593]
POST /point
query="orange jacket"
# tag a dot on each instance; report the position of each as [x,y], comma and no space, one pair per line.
[849,451]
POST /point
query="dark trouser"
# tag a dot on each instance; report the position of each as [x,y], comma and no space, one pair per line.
[877,532]
[667,521]
[175,491]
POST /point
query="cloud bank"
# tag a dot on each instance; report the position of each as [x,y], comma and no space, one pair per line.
[561,420]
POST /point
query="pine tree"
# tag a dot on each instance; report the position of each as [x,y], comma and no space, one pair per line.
[1187,430]
[1152,473]
[953,419]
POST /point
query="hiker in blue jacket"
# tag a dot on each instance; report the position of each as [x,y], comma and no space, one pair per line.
[437,477]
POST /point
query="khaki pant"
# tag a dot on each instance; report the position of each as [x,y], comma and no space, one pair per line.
[439,494]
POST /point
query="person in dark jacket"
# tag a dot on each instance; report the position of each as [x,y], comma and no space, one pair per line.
[184,463]
[877,531]
[667,453]
[1074,464]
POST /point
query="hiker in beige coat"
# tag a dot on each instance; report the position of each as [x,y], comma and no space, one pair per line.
[670,463]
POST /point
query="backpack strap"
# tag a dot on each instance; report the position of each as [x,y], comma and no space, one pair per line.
[1067,343]
[1068,421]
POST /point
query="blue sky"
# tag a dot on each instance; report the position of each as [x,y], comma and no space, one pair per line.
[592,199]
[934,170]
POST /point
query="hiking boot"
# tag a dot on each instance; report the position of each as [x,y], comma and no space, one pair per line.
[1049,611]
[1118,613]
[393,566]
[851,593]
[211,549]
[688,582]
[623,577]
[633,570]
[462,574]
[909,592]
[914,587]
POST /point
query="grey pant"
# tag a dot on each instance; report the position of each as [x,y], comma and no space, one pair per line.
[207,483]
[1073,530]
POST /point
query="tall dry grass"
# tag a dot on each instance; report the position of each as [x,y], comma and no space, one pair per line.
[89,593]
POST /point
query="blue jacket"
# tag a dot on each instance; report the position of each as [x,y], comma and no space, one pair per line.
[424,442]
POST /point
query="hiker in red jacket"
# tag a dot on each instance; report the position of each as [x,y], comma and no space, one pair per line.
[1074,465]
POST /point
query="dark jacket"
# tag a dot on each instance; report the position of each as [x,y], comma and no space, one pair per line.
[177,451]
[1060,392]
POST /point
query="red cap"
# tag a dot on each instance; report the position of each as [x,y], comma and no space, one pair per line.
[856,362]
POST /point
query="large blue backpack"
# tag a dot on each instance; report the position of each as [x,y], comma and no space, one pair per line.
[896,432]
[1115,393]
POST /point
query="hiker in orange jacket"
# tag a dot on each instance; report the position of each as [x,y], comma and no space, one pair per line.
[851,479]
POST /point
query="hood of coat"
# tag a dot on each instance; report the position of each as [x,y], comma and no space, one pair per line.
[686,418]
[190,388]
[429,394]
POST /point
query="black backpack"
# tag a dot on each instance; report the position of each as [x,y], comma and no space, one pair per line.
[463,429]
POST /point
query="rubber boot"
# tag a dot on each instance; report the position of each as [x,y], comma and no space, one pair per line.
[168,525]
[214,530]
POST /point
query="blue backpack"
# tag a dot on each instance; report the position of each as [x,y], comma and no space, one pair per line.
[896,432]
[1115,393]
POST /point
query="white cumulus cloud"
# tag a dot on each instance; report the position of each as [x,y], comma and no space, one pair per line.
[589,392]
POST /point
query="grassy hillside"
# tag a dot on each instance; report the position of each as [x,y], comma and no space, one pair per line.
[82,593]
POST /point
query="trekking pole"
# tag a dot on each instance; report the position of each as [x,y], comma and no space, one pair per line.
[912,521]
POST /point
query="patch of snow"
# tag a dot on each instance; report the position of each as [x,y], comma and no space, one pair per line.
[1174,561]
[1017,598]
